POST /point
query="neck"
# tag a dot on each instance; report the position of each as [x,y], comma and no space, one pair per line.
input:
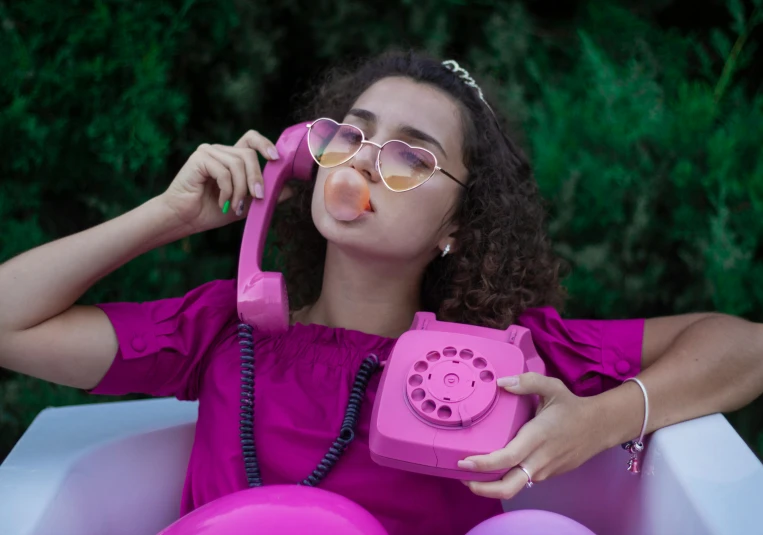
[359,294]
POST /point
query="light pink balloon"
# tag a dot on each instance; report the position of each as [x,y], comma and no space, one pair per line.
[530,522]
[276,510]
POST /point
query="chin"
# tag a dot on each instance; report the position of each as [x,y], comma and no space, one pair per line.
[360,237]
[360,232]
[366,236]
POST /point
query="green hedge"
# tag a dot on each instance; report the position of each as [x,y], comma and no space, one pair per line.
[645,131]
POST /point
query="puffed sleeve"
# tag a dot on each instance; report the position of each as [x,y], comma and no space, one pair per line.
[163,344]
[589,356]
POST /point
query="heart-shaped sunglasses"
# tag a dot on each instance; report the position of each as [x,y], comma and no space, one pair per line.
[401,166]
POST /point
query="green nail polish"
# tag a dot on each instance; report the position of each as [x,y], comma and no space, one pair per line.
[226,207]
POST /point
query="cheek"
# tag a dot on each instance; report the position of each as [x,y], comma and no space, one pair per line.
[416,220]
[318,207]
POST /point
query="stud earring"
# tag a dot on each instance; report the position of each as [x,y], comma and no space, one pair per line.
[445,251]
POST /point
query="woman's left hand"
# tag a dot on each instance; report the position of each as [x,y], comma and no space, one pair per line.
[567,431]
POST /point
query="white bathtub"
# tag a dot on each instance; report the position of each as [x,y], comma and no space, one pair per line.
[118,469]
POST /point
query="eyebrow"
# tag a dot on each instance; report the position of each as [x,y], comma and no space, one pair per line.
[406,129]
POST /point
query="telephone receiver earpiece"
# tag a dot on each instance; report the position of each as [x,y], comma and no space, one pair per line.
[262,298]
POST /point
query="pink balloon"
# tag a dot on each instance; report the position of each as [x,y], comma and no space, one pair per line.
[278,509]
[530,522]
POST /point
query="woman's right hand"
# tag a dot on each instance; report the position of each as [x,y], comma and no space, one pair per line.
[216,175]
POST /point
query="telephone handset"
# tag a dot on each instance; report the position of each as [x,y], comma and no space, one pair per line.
[262,298]
[437,400]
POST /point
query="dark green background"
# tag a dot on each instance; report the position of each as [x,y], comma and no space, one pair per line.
[644,120]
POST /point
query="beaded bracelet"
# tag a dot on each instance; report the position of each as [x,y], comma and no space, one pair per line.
[634,447]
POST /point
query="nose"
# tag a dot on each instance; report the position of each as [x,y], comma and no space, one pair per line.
[365,161]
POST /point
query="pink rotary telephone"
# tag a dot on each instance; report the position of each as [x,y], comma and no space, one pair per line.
[438,401]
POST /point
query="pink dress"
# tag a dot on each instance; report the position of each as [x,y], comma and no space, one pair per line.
[187,347]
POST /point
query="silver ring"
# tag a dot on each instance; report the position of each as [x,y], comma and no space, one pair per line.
[529,483]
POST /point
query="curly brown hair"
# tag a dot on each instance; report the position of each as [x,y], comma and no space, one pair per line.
[503,263]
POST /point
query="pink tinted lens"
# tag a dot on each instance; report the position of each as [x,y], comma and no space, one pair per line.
[403,167]
[331,143]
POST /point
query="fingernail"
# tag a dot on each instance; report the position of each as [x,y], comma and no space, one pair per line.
[273,153]
[226,206]
[508,381]
[467,465]
[240,209]
[258,192]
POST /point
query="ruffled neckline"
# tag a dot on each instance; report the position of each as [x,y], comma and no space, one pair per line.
[314,333]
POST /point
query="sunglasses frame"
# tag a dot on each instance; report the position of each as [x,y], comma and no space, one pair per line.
[364,141]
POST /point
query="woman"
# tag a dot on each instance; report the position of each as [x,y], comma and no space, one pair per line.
[466,241]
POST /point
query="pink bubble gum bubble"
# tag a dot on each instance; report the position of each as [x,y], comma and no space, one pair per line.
[346,194]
